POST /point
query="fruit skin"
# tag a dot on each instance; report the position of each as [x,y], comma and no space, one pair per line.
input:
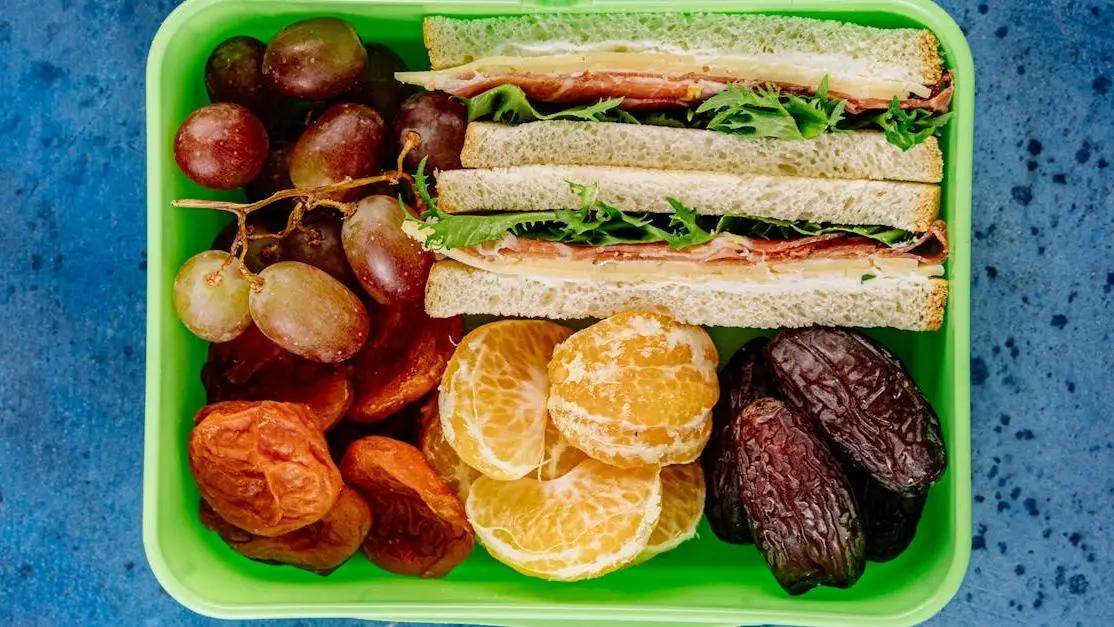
[321,547]
[217,313]
[346,141]
[803,515]
[252,367]
[441,120]
[403,359]
[419,527]
[234,73]
[309,313]
[889,519]
[263,466]
[866,402]
[221,146]
[323,248]
[391,266]
[314,59]
[742,381]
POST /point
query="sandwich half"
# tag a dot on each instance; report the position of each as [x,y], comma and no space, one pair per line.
[729,170]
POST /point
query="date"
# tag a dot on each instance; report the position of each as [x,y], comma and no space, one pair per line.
[742,381]
[865,401]
[889,519]
[802,511]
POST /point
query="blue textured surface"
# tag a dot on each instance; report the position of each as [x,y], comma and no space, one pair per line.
[72,264]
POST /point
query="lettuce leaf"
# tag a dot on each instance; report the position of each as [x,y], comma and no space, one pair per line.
[740,110]
[508,103]
[596,223]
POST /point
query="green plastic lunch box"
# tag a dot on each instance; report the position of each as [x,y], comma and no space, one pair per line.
[704,581]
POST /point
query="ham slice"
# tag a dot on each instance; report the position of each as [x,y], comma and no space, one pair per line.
[647,91]
[930,248]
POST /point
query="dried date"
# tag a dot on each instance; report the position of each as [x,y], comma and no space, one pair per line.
[419,527]
[865,401]
[889,519]
[742,381]
[320,547]
[263,466]
[802,511]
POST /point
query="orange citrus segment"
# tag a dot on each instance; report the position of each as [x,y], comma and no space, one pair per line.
[493,396]
[560,455]
[431,440]
[682,505]
[593,520]
[637,388]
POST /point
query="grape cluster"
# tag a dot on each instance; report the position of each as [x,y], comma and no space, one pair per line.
[315,129]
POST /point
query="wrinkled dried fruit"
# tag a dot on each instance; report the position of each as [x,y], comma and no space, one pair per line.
[320,547]
[419,527]
[742,381]
[252,367]
[263,466]
[865,401]
[803,514]
[889,518]
[403,360]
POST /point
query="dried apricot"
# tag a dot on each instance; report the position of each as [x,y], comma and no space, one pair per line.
[320,547]
[419,527]
[637,388]
[252,367]
[263,466]
[403,360]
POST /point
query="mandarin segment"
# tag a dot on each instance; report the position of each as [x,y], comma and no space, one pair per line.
[682,505]
[592,521]
[637,388]
[493,396]
[431,441]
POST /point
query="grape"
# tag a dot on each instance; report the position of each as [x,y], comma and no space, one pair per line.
[221,146]
[275,175]
[346,141]
[217,313]
[377,87]
[314,59]
[441,121]
[309,313]
[261,252]
[327,253]
[234,73]
[391,266]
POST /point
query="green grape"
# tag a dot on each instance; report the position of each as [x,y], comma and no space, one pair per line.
[214,312]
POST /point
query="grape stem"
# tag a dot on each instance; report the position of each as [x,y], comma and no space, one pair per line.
[308,199]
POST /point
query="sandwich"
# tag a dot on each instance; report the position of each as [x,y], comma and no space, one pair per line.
[729,170]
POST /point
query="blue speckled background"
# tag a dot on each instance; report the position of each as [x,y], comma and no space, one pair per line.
[72,266]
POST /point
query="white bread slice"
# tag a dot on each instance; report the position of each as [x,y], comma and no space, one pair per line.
[909,206]
[910,302]
[835,48]
[857,155]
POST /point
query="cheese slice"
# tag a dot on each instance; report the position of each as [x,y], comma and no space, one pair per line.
[741,67]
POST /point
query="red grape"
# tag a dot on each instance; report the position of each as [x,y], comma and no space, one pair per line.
[234,73]
[390,265]
[314,59]
[326,252]
[221,146]
[309,313]
[217,313]
[377,87]
[441,120]
[261,252]
[346,141]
